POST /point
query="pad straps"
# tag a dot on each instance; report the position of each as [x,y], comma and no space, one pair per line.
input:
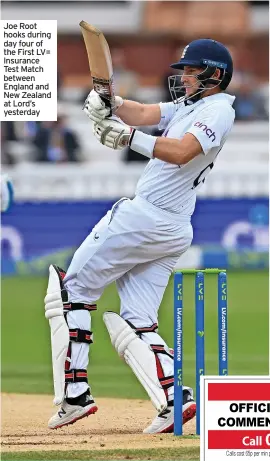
[141,330]
[78,306]
[80,336]
[151,329]
[76,376]
[160,349]
[165,381]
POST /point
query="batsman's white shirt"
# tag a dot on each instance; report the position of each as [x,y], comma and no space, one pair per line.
[138,242]
[174,187]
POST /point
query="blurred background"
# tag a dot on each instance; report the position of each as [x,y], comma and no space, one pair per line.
[62,174]
[65,181]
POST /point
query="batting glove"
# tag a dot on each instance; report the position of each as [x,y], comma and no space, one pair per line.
[117,135]
[112,133]
[96,109]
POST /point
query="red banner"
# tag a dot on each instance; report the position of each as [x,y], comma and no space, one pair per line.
[238,391]
[239,439]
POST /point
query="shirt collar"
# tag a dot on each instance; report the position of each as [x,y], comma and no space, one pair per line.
[220,97]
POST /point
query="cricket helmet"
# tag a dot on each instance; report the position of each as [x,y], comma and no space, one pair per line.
[209,55]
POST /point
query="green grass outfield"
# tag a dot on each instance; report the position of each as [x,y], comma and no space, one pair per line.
[26,356]
[168,454]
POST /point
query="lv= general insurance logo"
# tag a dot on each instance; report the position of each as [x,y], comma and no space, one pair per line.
[235,418]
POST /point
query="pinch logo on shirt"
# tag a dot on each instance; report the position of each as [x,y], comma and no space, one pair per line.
[207,130]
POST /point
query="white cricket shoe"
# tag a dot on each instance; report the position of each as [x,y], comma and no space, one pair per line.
[72,410]
[164,421]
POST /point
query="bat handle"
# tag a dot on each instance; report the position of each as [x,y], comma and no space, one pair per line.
[107,104]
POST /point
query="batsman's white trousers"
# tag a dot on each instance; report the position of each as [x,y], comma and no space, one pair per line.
[137,245]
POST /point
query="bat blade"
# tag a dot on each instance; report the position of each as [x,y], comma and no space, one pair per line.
[100,61]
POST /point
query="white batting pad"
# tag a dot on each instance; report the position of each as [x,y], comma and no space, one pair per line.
[138,355]
[59,334]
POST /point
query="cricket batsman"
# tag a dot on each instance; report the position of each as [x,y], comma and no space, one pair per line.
[138,242]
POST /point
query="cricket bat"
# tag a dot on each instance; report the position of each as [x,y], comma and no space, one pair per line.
[100,62]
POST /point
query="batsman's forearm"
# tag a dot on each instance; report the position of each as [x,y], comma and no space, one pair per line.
[171,151]
[130,112]
[136,114]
